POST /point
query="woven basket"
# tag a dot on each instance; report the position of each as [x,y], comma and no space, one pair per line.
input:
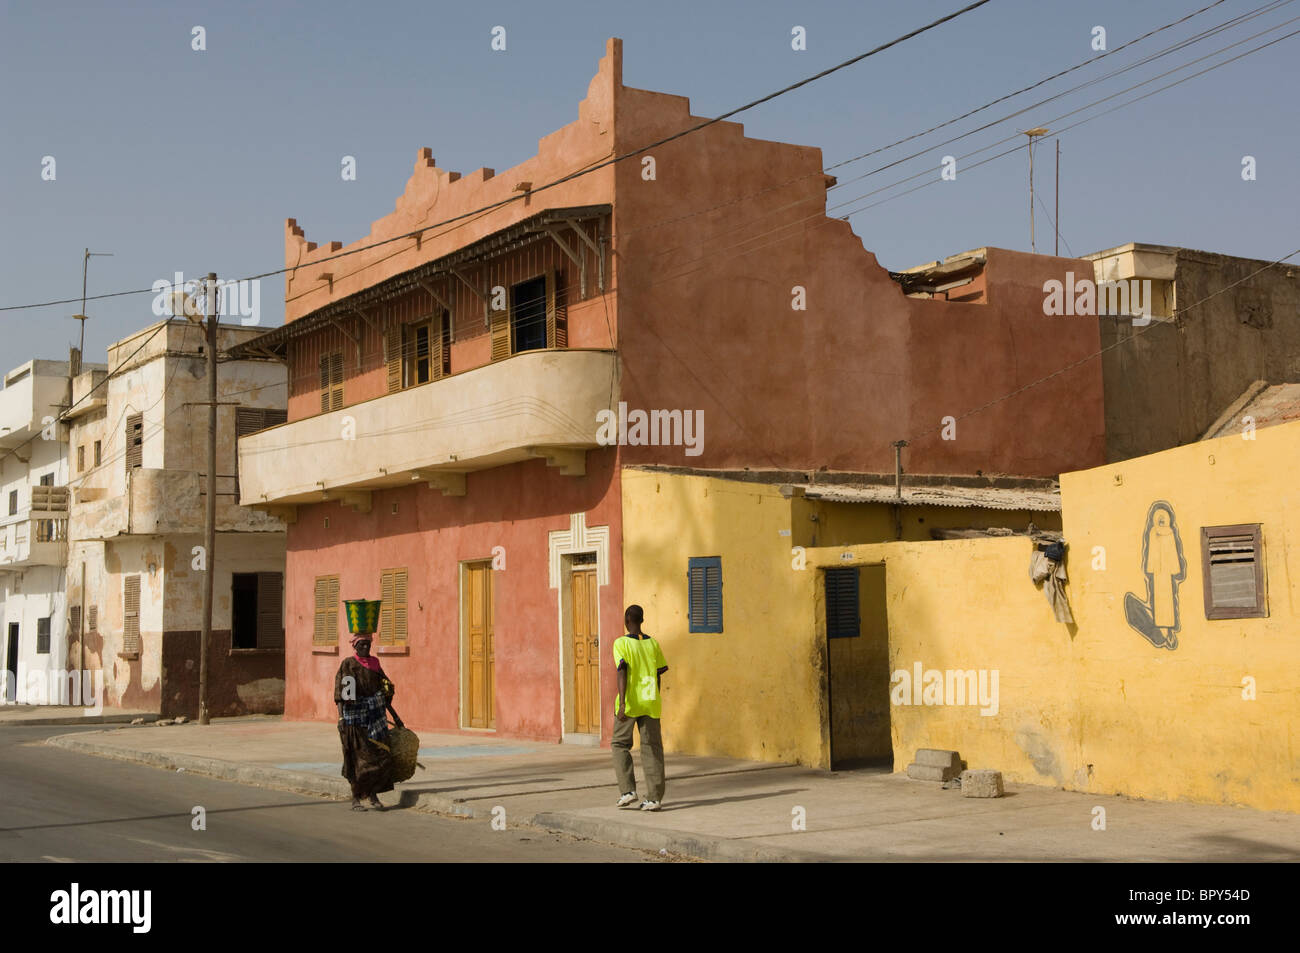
[405,747]
[363,615]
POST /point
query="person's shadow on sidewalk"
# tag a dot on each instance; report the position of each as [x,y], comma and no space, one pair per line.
[409,796]
[705,802]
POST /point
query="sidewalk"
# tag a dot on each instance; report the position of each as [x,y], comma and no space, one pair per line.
[35,715]
[721,809]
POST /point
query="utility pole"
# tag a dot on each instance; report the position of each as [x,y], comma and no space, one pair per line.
[210,514]
[85,263]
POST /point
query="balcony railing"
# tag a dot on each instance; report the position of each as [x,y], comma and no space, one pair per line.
[535,404]
[34,542]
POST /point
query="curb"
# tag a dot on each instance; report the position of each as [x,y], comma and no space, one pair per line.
[75,720]
[299,782]
[699,846]
[280,779]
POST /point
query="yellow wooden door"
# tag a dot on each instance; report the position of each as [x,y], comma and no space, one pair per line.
[586,652]
[479,651]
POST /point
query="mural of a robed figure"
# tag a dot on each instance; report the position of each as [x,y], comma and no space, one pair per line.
[1165,567]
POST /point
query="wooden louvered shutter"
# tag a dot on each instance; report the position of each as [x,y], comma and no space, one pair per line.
[332,609]
[248,420]
[1232,560]
[131,615]
[399,606]
[499,324]
[74,621]
[331,382]
[444,337]
[557,311]
[270,610]
[393,358]
[843,618]
[704,602]
[325,383]
[323,633]
[387,600]
[437,352]
[134,441]
[273,417]
[336,380]
[318,620]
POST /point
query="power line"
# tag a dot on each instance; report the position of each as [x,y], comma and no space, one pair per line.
[824,213]
[1025,89]
[1174,48]
[713,257]
[1081,122]
[573,175]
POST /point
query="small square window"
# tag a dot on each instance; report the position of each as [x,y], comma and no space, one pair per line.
[1232,570]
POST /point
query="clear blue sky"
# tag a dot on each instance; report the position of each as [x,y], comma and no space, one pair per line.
[176,160]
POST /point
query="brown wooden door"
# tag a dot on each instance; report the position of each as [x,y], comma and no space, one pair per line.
[480,690]
[586,651]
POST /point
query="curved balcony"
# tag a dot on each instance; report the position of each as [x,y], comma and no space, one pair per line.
[534,404]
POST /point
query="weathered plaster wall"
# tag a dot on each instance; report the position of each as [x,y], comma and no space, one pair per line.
[123,522]
[754,690]
[1095,706]
[514,507]
[708,256]
[1168,382]
[771,703]
[36,593]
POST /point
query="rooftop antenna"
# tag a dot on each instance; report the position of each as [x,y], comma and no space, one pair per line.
[1033,134]
[85,264]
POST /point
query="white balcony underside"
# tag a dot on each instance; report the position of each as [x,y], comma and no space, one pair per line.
[538,403]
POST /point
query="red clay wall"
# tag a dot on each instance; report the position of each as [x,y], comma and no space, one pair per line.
[514,507]
[706,323]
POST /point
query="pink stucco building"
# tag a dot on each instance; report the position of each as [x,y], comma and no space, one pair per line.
[447,389]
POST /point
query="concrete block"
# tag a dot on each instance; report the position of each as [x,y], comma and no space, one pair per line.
[981,783]
[938,758]
[929,772]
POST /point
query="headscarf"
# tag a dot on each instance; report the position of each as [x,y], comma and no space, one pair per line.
[368,661]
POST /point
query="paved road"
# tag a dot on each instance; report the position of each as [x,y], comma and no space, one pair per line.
[59,806]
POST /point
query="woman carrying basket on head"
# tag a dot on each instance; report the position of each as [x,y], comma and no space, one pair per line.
[364,697]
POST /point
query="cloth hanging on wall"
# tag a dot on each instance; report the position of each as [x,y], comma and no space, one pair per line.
[1050,574]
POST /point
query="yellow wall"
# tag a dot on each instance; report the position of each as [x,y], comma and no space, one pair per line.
[1094,706]
[755,690]
[1173,724]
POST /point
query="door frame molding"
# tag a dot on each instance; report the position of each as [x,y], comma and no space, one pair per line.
[564,604]
[578,538]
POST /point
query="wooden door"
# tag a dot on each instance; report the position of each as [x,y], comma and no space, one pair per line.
[480,687]
[585,651]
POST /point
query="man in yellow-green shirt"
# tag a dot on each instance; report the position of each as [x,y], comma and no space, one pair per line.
[640,663]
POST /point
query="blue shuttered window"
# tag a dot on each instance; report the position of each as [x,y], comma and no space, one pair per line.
[704,584]
[843,620]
